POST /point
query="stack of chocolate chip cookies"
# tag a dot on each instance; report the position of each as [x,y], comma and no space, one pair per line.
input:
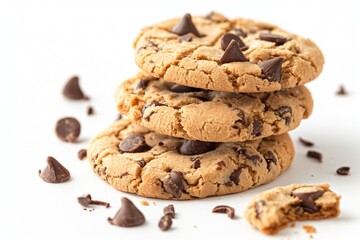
[210,111]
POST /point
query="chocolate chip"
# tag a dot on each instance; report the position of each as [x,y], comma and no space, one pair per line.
[269,158]
[344,171]
[155,104]
[186,26]
[82,154]
[142,84]
[85,200]
[234,177]
[194,147]
[240,32]
[196,164]
[120,116]
[68,129]
[175,184]
[73,91]
[255,159]
[233,53]
[271,69]
[228,37]
[128,215]
[230,211]
[186,38]
[183,89]
[141,163]
[306,142]
[308,199]
[341,91]
[316,155]
[277,39]
[90,111]
[169,211]
[259,205]
[124,174]
[54,172]
[285,112]
[165,223]
[241,116]
[220,165]
[257,128]
[134,143]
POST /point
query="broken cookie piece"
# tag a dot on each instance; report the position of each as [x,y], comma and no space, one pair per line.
[274,209]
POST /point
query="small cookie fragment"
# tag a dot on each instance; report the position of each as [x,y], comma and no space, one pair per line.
[73,91]
[68,129]
[128,215]
[54,172]
[274,209]
[230,211]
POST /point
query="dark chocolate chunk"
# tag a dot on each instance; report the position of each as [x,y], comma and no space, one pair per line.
[285,112]
[73,91]
[175,184]
[186,38]
[169,211]
[240,32]
[90,111]
[155,104]
[183,89]
[120,116]
[271,69]
[277,39]
[141,163]
[68,129]
[128,215]
[344,171]
[186,26]
[233,53]
[54,172]
[341,91]
[234,177]
[165,223]
[257,128]
[230,211]
[308,199]
[228,37]
[220,165]
[142,84]
[306,142]
[196,164]
[86,200]
[259,207]
[194,147]
[316,155]
[269,158]
[242,118]
[134,143]
[82,154]
[255,159]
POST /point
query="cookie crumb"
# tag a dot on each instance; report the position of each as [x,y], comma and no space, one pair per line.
[144,203]
[292,224]
[309,229]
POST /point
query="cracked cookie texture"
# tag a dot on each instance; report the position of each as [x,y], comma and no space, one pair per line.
[274,209]
[164,168]
[195,59]
[206,115]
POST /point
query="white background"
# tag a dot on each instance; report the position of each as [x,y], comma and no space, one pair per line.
[43,43]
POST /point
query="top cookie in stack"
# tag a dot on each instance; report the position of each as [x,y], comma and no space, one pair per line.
[212,79]
[239,55]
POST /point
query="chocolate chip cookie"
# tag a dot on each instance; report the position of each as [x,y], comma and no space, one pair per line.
[239,55]
[136,160]
[205,115]
[272,210]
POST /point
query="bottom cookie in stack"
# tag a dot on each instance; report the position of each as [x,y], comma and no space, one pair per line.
[136,160]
